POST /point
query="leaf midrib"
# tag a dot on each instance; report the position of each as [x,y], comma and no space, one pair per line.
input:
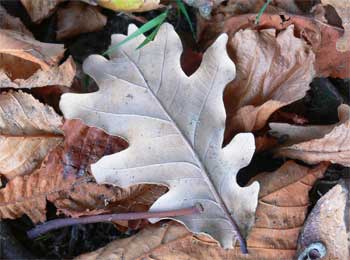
[204,172]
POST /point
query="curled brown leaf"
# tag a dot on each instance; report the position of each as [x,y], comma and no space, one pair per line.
[65,180]
[272,71]
[282,208]
[29,130]
[27,63]
[322,38]
[314,144]
[77,18]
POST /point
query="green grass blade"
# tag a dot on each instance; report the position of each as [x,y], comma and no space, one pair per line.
[262,10]
[144,28]
[183,10]
[150,37]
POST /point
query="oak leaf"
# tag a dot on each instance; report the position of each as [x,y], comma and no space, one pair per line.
[65,180]
[283,205]
[27,63]
[28,131]
[272,72]
[38,10]
[77,18]
[174,125]
[327,226]
[314,144]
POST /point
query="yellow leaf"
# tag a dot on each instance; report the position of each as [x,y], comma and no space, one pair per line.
[129,5]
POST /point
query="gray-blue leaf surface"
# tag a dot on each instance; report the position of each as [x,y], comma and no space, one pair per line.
[174,125]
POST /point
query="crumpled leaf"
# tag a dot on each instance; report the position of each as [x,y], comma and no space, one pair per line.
[28,131]
[328,226]
[127,5]
[314,144]
[343,10]
[282,209]
[38,10]
[77,18]
[65,180]
[174,125]
[322,37]
[10,22]
[272,72]
[27,63]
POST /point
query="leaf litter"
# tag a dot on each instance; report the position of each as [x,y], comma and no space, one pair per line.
[65,172]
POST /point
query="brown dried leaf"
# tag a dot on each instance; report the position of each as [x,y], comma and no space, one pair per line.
[282,208]
[40,9]
[343,10]
[9,22]
[28,131]
[272,72]
[65,180]
[27,63]
[314,144]
[77,18]
[328,224]
[322,37]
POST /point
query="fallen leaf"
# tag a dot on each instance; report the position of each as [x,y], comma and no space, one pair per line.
[322,37]
[272,72]
[174,125]
[10,22]
[28,131]
[65,180]
[282,209]
[27,63]
[38,10]
[77,18]
[314,144]
[127,5]
[343,10]
[327,227]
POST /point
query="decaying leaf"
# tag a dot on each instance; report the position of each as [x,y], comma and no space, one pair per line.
[343,10]
[314,144]
[322,37]
[272,72]
[8,22]
[127,5]
[77,18]
[326,229]
[282,208]
[38,10]
[174,125]
[27,63]
[65,180]
[28,131]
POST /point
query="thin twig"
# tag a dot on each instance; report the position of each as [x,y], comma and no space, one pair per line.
[64,222]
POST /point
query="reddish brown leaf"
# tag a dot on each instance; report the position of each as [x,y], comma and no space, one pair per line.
[282,208]
[65,180]
[272,71]
[77,18]
[321,36]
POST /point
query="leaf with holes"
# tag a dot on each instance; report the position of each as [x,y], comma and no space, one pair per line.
[174,125]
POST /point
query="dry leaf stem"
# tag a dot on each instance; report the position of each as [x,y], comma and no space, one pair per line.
[64,222]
